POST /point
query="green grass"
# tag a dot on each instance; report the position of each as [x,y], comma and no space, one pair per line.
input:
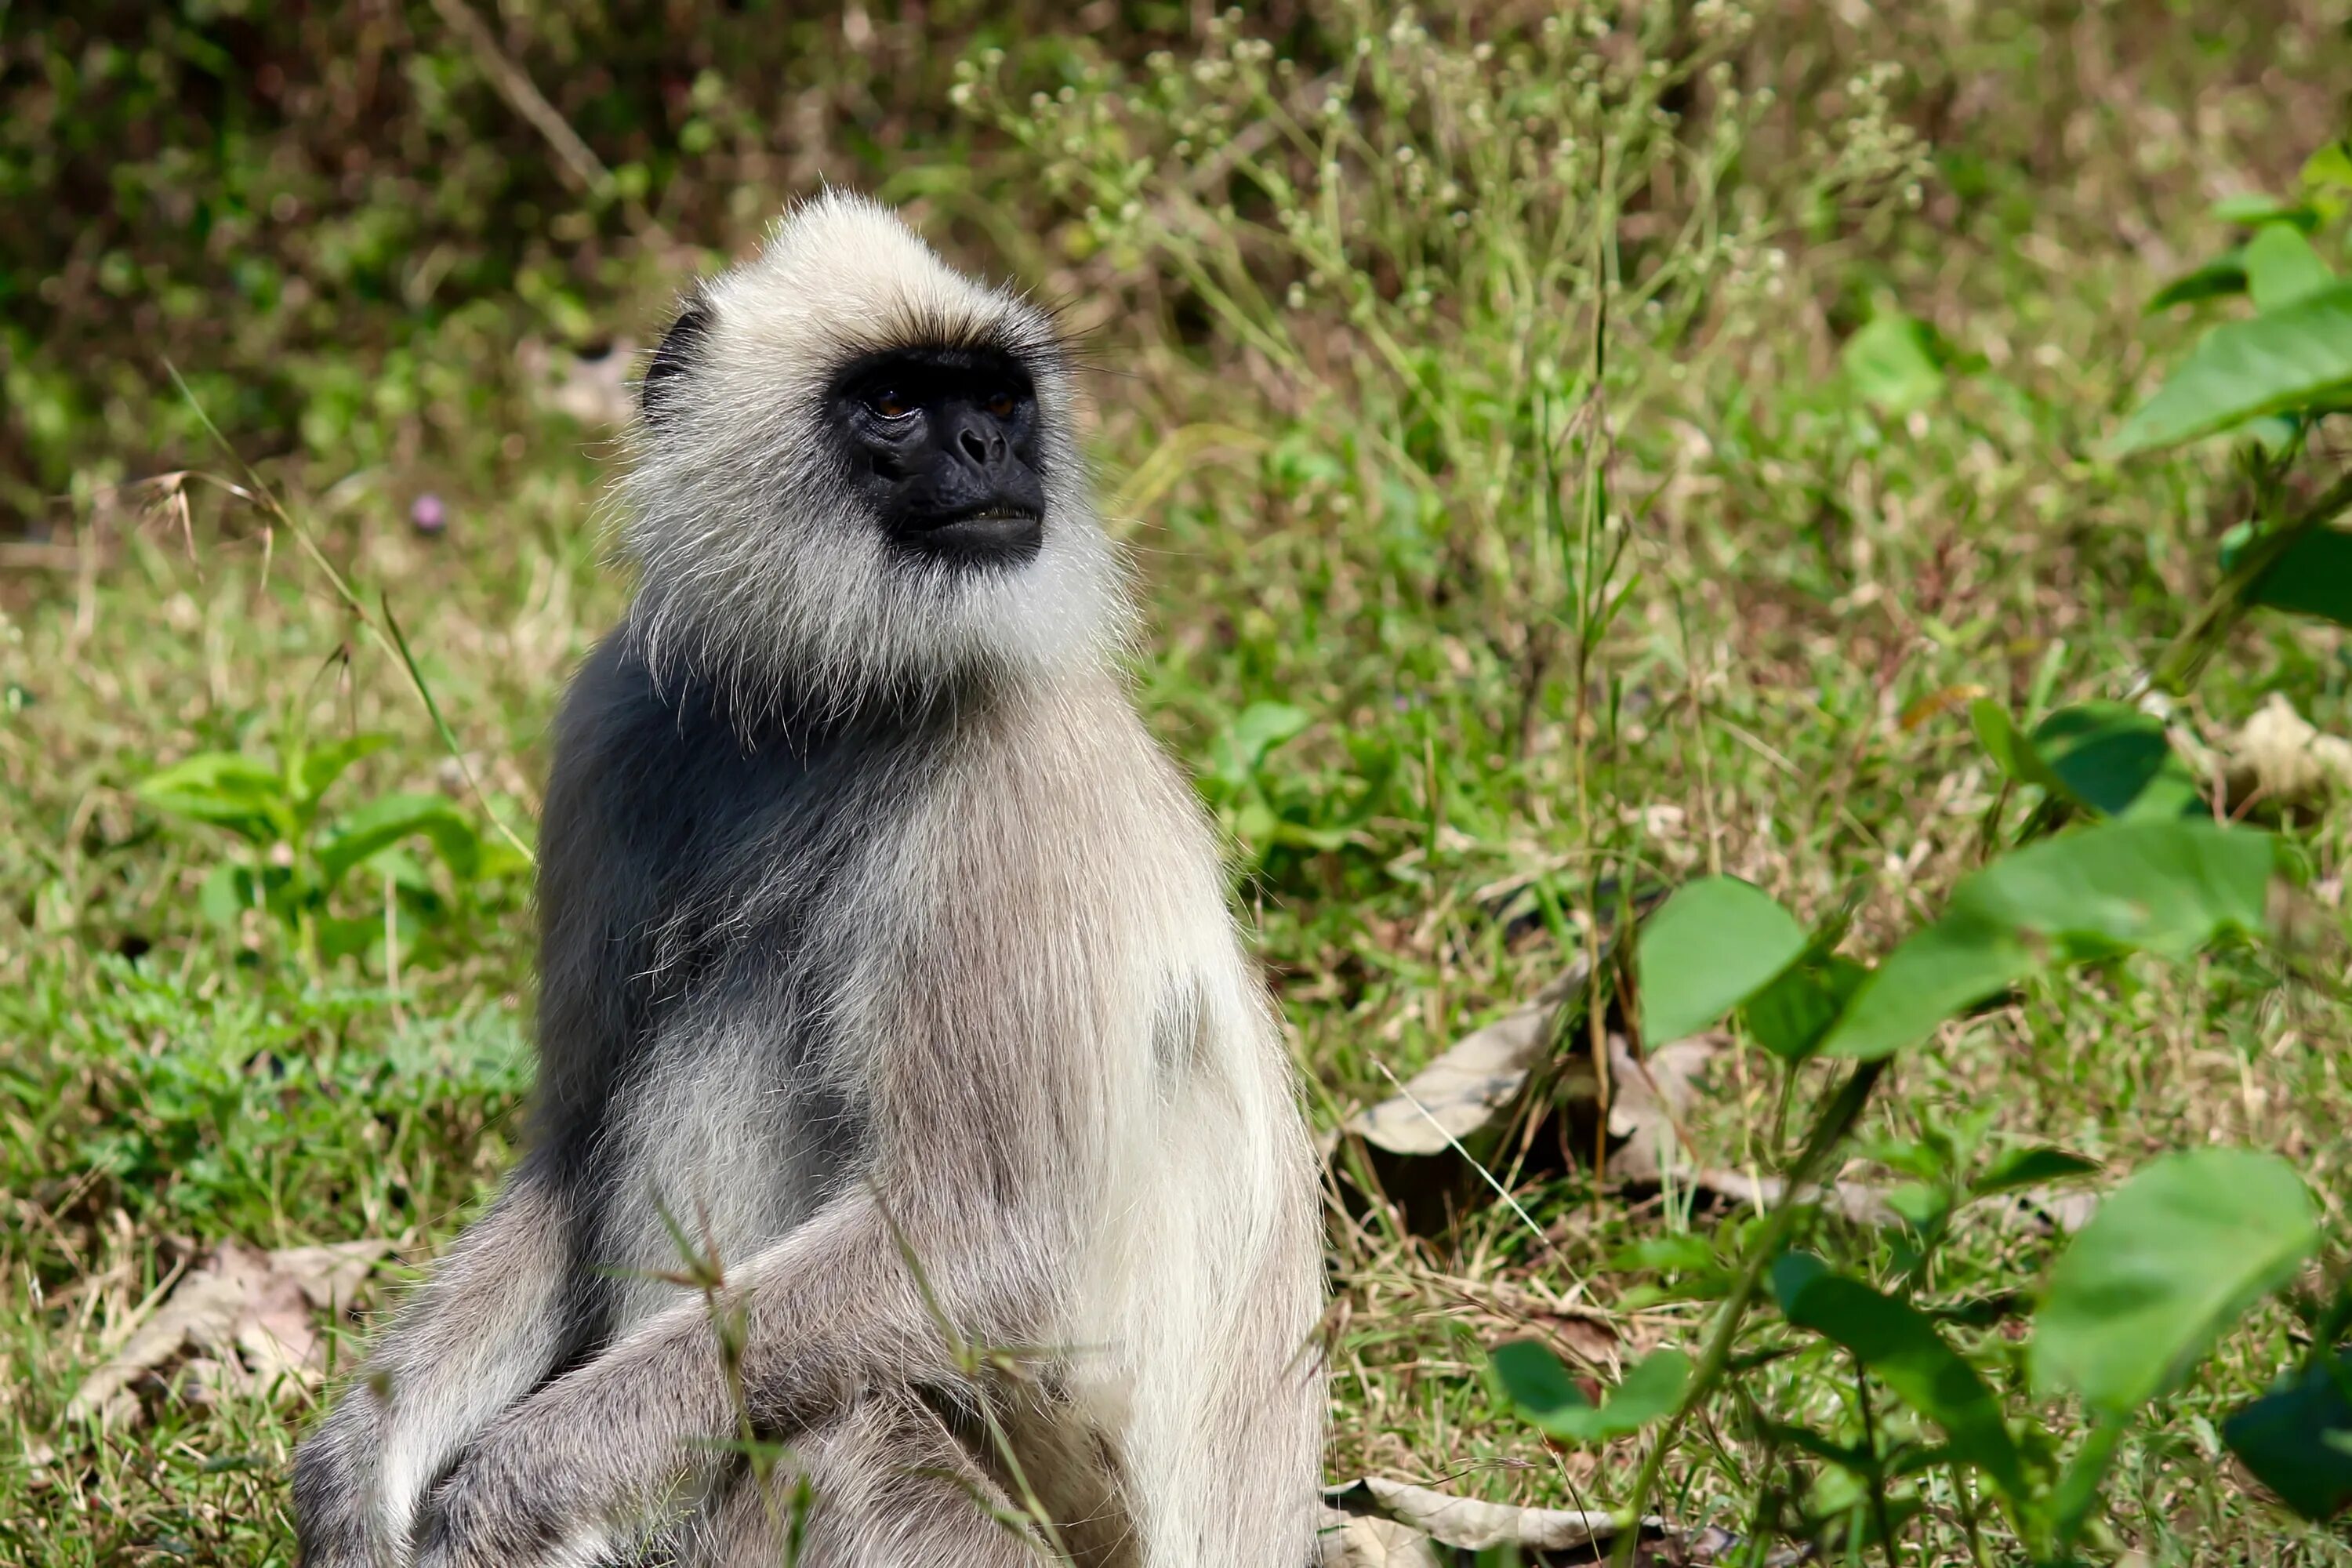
[1383,553]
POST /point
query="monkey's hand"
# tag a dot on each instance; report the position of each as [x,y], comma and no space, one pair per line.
[573,1474]
[338,1495]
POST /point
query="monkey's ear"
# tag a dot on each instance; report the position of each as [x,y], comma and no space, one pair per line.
[673,358]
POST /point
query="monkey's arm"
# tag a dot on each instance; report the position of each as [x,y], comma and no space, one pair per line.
[832,1311]
[479,1334]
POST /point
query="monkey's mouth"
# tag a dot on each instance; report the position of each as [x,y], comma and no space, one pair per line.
[990,533]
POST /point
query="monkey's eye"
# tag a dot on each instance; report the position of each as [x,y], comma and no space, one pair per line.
[889,404]
[999,404]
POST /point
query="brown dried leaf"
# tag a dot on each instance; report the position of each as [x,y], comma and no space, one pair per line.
[1367,1540]
[245,1317]
[1383,1523]
[1648,1099]
[1462,1090]
[1470,1524]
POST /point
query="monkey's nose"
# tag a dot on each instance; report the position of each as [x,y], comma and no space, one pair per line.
[978,439]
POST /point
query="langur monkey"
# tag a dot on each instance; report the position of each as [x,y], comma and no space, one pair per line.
[886,961]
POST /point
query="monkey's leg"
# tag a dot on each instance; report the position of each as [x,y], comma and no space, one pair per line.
[887,1486]
[601,1455]
[479,1334]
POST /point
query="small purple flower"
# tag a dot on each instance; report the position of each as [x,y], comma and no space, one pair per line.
[427,515]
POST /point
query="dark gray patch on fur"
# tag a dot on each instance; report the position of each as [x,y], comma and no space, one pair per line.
[673,358]
[684,849]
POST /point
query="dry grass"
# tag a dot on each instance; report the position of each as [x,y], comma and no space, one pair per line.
[1807,584]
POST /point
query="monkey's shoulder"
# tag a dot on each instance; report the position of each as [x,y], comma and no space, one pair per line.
[654,777]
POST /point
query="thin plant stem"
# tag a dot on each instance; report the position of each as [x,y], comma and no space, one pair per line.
[387,632]
[2183,659]
[1829,1129]
[1877,1462]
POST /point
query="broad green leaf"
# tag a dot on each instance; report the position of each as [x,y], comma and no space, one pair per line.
[496,858]
[1789,1016]
[1902,1347]
[1534,1381]
[341,937]
[383,823]
[2115,760]
[396,865]
[2282,268]
[1708,949]
[228,891]
[2106,757]
[1678,1250]
[2224,275]
[2031,1166]
[2172,1257]
[1258,729]
[2314,577]
[2329,168]
[2250,208]
[2009,750]
[226,789]
[2275,362]
[2297,1438]
[1934,975]
[321,768]
[1888,364]
[2167,887]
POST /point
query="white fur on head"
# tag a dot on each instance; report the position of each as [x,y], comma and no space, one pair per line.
[764,572]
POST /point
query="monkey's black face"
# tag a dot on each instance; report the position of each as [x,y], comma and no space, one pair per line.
[943,442]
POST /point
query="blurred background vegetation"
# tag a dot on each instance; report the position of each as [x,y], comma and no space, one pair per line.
[1563,446]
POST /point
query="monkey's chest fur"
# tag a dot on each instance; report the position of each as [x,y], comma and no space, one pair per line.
[736,919]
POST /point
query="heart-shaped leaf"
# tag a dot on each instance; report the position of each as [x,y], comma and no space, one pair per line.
[2165,886]
[2312,576]
[2171,1258]
[2276,363]
[1533,1379]
[2297,1438]
[1707,948]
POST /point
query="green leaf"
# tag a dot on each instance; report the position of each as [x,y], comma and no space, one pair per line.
[322,767]
[223,788]
[2330,168]
[1790,1017]
[2224,275]
[2114,759]
[1707,948]
[2275,362]
[2167,887]
[2105,757]
[1258,729]
[1952,965]
[1677,1251]
[1533,1379]
[2033,1166]
[383,823]
[1890,366]
[1902,1348]
[341,937]
[2170,1259]
[2297,1438]
[2162,887]
[2250,208]
[2282,268]
[228,891]
[2312,577]
[2009,750]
